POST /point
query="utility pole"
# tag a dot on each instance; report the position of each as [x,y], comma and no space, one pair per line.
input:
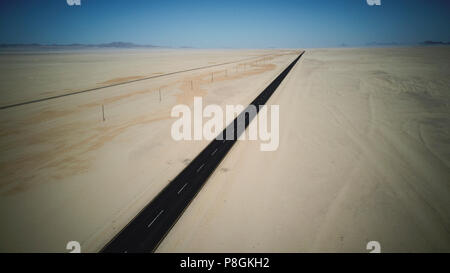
[103,112]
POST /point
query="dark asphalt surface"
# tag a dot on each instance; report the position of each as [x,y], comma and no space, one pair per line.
[150,226]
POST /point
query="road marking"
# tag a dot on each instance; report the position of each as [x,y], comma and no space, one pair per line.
[182,188]
[214,151]
[168,222]
[155,218]
[200,167]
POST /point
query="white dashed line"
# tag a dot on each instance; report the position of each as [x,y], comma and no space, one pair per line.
[200,167]
[182,188]
[214,152]
[155,218]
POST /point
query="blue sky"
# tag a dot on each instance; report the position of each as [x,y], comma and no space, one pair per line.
[225,23]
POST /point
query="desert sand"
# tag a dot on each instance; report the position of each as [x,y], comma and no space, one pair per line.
[32,75]
[67,174]
[364,156]
[364,150]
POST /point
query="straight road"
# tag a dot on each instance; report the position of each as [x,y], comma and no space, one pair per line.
[150,226]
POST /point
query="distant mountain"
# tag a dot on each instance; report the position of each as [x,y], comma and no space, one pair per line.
[435,43]
[124,45]
[79,46]
[382,44]
[393,44]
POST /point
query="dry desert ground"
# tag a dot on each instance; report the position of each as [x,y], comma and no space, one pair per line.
[364,155]
[364,149]
[67,174]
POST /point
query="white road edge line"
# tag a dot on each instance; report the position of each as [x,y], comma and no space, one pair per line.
[155,218]
[182,188]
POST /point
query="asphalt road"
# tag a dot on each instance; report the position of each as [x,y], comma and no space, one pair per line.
[150,226]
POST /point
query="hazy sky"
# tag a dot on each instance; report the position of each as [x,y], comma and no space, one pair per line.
[225,23]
